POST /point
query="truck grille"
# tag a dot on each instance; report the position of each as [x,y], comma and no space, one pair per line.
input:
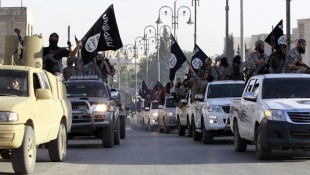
[299,117]
[226,109]
[300,135]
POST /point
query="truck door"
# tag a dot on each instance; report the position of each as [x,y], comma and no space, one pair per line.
[246,112]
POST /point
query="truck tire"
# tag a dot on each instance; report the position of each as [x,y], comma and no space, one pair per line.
[196,135]
[189,129]
[57,149]
[262,151]
[207,137]
[239,143]
[24,157]
[166,128]
[117,134]
[108,135]
[122,120]
[181,129]
[151,127]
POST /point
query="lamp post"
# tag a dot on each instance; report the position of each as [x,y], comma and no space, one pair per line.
[288,24]
[136,56]
[127,47]
[147,48]
[195,28]
[227,28]
[175,15]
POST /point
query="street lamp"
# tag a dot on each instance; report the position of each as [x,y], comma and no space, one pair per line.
[175,15]
[195,28]
[136,56]
[146,41]
[127,48]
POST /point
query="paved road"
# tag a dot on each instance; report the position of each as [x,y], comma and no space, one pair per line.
[148,153]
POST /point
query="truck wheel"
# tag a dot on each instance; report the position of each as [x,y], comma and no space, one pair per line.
[196,135]
[24,157]
[262,152]
[123,126]
[181,129]
[166,128]
[189,129]
[239,143]
[57,148]
[117,134]
[108,135]
[207,137]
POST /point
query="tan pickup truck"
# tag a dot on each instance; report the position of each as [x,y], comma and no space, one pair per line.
[34,110]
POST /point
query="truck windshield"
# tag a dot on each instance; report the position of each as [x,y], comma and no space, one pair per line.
[14,83]
[225,90]
[155,105]
[88,89]
[286,88]
[170,103]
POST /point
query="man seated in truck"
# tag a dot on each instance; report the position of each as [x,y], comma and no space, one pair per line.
[14,85]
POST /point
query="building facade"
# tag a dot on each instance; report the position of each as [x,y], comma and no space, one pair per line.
[12,18]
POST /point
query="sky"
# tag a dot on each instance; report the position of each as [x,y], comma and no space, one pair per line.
[134,15]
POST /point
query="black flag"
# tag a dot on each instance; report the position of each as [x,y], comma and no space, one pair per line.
[144,90]
[276,37]
[158,86]
[102,36]
[177,58]
[198,58]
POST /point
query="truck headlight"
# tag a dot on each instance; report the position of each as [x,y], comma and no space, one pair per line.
[8,117]
[213,120]
[276,115]
[170,114]
[100,108]
[155,114]
[214,108]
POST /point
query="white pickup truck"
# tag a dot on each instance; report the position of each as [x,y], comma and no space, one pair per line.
[211,111]
[273,113]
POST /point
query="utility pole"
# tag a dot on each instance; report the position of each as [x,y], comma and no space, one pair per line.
[242,51]
[227,28]
[288,24]
[195,23]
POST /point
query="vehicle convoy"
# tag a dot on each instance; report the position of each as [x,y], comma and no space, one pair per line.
[273,113]
[36,112]
[167,116]
[210,112]
[150,116]
[94,111]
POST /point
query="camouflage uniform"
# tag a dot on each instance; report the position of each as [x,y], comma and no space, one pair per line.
[199,86]
[68,72]
[224,73]
[92,69]
[277,62]
[250,65]
[292,57]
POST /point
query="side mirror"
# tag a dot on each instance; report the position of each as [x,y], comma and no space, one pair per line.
[114,94]
[147,109]
[43,94]
[250,96]
[160,107]
[198,97]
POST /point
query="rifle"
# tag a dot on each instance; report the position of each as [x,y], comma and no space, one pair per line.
[17,31]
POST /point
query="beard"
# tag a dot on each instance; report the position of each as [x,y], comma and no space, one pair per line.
[53,44]
[301,50]
[260,50]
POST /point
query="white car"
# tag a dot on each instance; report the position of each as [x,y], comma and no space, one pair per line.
[151,116]
[211,111]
